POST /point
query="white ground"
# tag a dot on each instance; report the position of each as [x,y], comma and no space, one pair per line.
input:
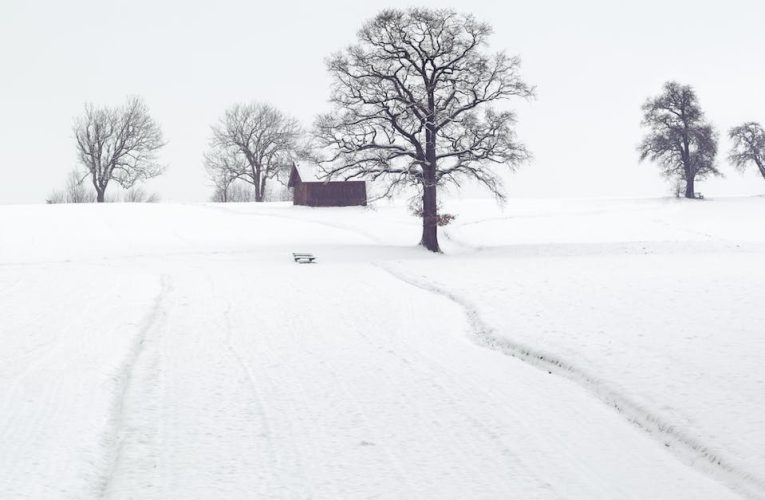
[578,349]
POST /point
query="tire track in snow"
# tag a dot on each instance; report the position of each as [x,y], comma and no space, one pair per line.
[281,453]
[119,432]
[256,393]
[689,449]
[374,431]
[427,368]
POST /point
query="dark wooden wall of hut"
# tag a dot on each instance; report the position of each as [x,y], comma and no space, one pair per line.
[331,194]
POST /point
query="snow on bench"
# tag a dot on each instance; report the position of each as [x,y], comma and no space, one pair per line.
[304,258]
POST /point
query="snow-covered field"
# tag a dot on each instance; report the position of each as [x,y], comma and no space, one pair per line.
[559,349]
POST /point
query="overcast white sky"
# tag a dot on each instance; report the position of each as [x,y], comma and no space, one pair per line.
[594,63]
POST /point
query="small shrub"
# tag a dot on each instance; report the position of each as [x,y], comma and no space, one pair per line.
[139,195]
[56,197]
[442,219]
[75,191]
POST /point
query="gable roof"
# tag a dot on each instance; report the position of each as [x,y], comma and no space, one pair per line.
[306,172]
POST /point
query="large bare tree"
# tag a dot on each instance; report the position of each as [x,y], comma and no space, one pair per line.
[748,146]
[679,139]
[254,142]
[119,144]
[413,106]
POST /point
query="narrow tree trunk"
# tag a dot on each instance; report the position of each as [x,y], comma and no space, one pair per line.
[256,173]
[263,188]
[690,171]
[761,166]
[97,185]
[689,189]
[257,183]
[430,214]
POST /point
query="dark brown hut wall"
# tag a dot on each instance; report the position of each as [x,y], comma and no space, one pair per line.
[331,194]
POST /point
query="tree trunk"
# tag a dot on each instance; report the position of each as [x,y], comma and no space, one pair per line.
[262,188]
[97,186]
[761,166]
[429,214]
[429,201]
[256,173]
[257,183]
[690,171]
[689,190]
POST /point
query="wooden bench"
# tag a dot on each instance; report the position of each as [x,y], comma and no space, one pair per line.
[304,258]
[698,196]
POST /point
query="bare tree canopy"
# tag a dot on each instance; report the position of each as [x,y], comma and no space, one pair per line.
[118,144]
[748,146]
[679,139]
[254,142]
[413,103]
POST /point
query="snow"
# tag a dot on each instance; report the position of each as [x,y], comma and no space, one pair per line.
[310,172]
[560,348]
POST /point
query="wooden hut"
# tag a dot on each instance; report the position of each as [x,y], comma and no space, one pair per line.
[309,190]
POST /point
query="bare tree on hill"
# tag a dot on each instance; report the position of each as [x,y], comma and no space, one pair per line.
[413,106]
[748,146]
[223,169]
[119,144]
[74,191]
[138,195]
[253,142]
[679,139]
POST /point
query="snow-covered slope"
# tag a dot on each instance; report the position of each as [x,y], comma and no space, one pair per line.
[176,351]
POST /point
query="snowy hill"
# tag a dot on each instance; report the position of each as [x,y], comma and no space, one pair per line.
[575,349]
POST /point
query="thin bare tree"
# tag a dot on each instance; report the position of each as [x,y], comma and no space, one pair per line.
[748,146]
[138,195]
[119,144]
[224,168]
[679,139]
[254,142]
[413,107]
[74,191]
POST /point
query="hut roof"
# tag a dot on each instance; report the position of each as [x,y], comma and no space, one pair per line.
[307,172]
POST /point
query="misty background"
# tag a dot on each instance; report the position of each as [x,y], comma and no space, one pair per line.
[594,64]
